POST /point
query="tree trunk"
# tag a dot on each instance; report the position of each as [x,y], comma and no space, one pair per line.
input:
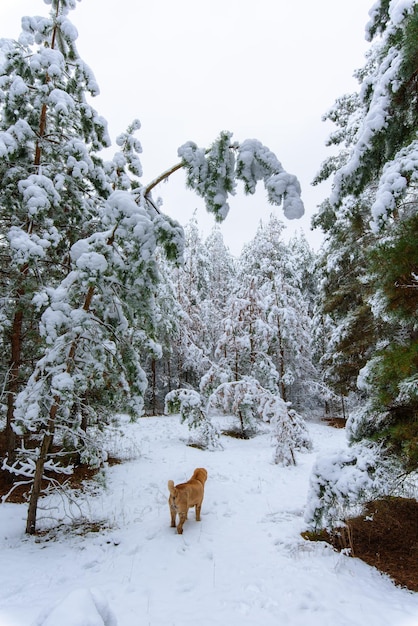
[241,421]
[13,383]
[236,363]
[154,381]
[46,445]
[282,386]
[37,482]
[12,386]
[48,437]
[343,407]
[170,382]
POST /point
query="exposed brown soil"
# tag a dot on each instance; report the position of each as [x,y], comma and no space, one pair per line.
[237,433]
[75,480]
[335,422]
[384,536]
[20,493]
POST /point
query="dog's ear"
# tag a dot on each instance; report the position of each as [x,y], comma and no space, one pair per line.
[201,474]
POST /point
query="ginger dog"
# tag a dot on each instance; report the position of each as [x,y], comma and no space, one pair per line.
[186,495]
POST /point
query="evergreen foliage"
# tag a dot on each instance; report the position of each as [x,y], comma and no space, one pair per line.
[190,405]
[213,174]
[252,404]
[273,316]
[370,260]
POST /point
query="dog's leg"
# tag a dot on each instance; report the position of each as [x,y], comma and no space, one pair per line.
[173,515]
[198,508]
[183,517]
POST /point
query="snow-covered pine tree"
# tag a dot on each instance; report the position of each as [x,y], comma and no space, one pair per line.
[282,361]
[391,159]
[303,268]
[179,299]
[252,405]
[241,398]
[191,407]
[237,347]
[52,181]
[345,309]
[221,273]
[309,391]
[191,281]
[374,190]
[290,433]
[383,167]
[161,362]
[80,249]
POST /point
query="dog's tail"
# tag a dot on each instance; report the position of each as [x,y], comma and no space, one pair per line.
[171,487]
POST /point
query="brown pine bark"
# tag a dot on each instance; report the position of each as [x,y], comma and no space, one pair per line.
[39,472]
[13,383]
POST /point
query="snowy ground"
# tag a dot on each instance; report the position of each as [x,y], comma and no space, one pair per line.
[244,564]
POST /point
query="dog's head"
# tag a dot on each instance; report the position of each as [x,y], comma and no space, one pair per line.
[200,474]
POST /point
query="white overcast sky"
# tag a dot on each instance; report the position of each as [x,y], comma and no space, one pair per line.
[265,69]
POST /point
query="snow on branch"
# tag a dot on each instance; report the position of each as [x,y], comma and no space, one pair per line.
[408,390]
[397,176]
[11,139]
[255,162]
[248,400]
[341,482]
[213,174]
[26,468]
[190,405]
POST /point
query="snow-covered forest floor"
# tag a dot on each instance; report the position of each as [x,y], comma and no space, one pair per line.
[244,563]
